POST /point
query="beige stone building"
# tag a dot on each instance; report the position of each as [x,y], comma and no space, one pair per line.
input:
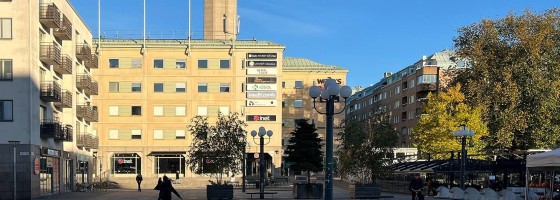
[46,98]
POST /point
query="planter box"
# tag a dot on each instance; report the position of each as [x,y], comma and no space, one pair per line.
[308,191]
[219,191]
[360,191]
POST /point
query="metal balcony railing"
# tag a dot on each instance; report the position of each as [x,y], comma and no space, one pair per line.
[65,30]
[66,135]
[51,91]
[83,52]
[51,129]
[50,53]
[66,66]
[427,87]
[87,112]
[49,15]
[92,62]
[83,81]
[66,101]
[87,140]
[93,88]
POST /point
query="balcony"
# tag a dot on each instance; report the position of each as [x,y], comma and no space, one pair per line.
[51,91]
[50,54]
[66,101]
[425,88]
[49,15]
[83,52]
[84,82]
[65,31]
[93,88]
[93,62]
[87,140]
[87,112]
[55,129]
[66,66]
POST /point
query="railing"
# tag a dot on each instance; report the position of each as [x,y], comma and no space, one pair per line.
[94,142]
[50,53]
[66,135]
[83,81]
[87,112]
[66,101]
[66,66]
[83,52]
[65,31]
[49,15]
[83,140]
[92,62]
[51,91]
[427,87]
[51,129]
[93,88]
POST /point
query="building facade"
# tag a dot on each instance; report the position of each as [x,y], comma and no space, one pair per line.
[46,95]
[401,94]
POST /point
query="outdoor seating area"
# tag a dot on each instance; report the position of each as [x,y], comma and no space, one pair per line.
[512,193]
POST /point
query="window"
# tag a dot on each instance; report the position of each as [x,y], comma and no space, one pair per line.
[158,134]
[5,28]
[113,134]
[224,87]
[224,64]
[113,63]
[411,99]
[6,110]
[203,64]
[6,73]
[180,64]
[136,63]
[411,83]
[158,110]
[136,87]
[136,135]
[126,163]
[283,84]
[158,87]
[180,111]
[113,86]
[158,63]
[224,110]
[202,111]
[136,110]
[397,89]
[180,134]
[180,87]
[299,84]
[113,110]
[283,103]
[410,114]
[203,87]
[298,103]
[427,78]
[396,105]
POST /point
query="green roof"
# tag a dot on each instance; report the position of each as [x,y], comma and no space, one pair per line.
[304,64]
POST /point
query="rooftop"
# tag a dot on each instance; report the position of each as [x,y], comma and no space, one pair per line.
[304,64]
[184,43]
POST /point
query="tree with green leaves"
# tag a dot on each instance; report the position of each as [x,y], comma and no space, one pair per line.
[515,77]
[443,114]
[217,150]
[365,146]
[304,151]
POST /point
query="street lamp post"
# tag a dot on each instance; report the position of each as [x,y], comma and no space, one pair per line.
[14,144]
[244,168]
[330,92]
[262,132]
[464,132]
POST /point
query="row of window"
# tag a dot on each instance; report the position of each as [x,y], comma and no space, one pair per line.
[167,111]
[169,87]
[298,103]
[136,134]
[131,63]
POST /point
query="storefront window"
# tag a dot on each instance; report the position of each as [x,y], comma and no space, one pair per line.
[170,164]
[126,163]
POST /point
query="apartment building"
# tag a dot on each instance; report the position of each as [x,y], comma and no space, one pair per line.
[46,90]
[401,94]
[298,75]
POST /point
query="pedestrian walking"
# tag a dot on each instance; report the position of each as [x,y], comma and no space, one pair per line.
[415,187]
[177,177]
[158,186]
[139,181]
[166,188]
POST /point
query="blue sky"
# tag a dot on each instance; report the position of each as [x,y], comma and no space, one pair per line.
[368,37]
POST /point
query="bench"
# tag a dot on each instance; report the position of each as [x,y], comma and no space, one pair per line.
[265,193]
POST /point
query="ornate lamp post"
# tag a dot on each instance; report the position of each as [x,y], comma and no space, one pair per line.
[262,132]
[331,92]
[464,132]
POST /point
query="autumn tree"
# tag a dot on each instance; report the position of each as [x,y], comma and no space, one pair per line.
[365,146]
[304,151]
[443,114]
[514,75]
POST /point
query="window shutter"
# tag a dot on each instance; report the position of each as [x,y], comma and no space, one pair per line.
[125,134]
[125,63]
[114,134]
[213,111]
[180,111]
[125,87]
[213,63]
[213,87]
[158,110]
[168,87]
[158,134]
[125,110]
[224,110]
[113,110]
[169,63]
[169,135]
[169,111]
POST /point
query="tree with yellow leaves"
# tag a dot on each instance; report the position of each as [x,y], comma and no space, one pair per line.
[443,114]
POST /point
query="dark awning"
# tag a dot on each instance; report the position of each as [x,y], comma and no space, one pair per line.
[166,153]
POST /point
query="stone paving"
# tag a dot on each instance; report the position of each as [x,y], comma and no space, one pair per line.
[284,192]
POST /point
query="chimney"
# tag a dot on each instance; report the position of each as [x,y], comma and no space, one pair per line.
[220,19]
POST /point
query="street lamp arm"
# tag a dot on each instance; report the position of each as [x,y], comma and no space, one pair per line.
[315,107]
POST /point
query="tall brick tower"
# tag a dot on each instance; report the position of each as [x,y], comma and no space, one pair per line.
[220,19]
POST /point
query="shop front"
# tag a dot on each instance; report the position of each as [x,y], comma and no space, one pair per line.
[125,164]
[83,168]
[169,162]
[50,171]
[69,170]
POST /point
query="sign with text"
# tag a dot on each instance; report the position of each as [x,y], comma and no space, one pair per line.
[262,63]
[322,81]
[261,79]
[261,87]
[261,95]
[261,118]
[50,152]
[261,103]
[262,55]
[261,71]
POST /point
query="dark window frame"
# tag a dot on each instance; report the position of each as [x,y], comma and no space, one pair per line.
[3,108]
[155,87]
[156,62]
[3,76]
[138,112]
[112,64]
[202,64]
[224,65]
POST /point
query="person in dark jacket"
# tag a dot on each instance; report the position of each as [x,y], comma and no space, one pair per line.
[139,181]
[415,185]
[166,188]
[159,181]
